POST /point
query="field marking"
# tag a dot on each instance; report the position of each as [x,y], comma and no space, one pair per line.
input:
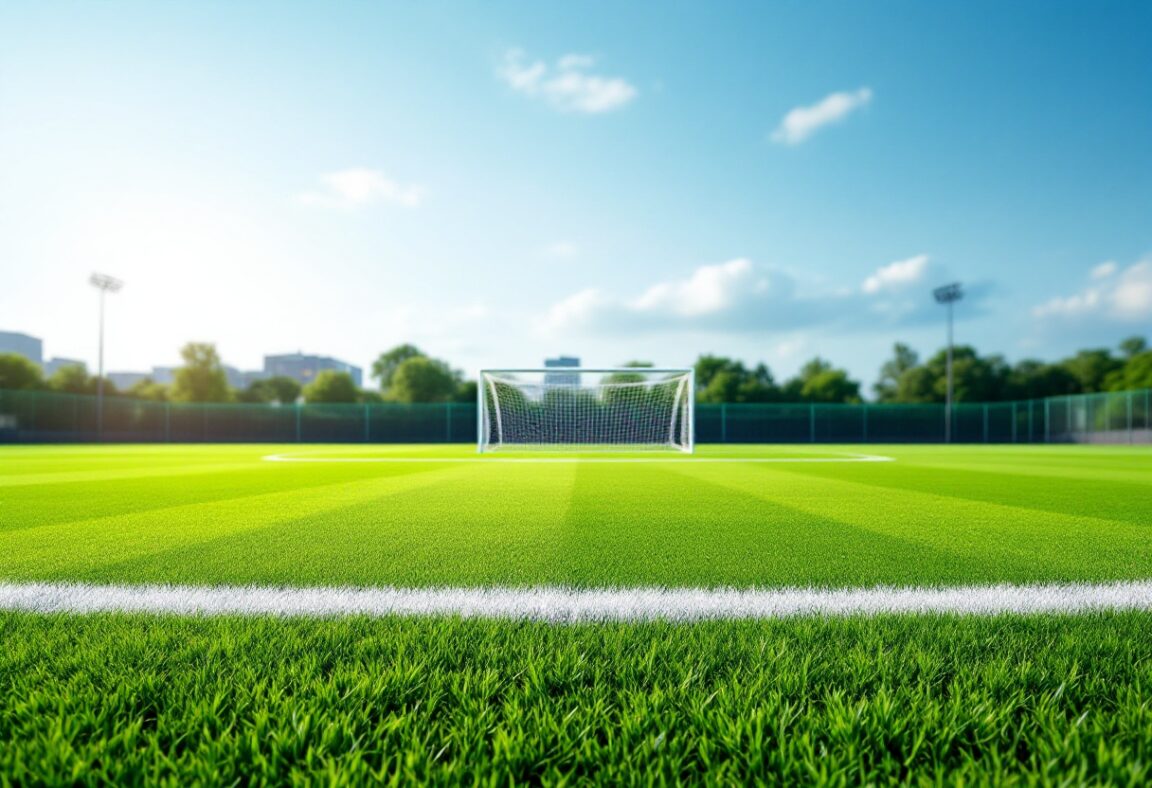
[489,459]
[560,605]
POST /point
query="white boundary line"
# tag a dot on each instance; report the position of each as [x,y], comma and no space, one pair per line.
[678,458]
[558,604]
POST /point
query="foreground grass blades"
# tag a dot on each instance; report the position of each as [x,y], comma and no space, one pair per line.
[138,698]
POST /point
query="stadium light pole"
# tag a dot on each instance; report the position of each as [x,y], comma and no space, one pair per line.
[948,295]
[105,284]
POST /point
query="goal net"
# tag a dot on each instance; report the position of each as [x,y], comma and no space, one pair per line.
[569,408]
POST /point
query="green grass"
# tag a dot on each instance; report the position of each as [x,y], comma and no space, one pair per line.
[936,516]
[131,699]
[125,699]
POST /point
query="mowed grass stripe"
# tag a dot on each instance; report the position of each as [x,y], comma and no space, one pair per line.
[651,527]
[966,540]
[588,525]
[75,549]
[1074,492]
[48,504]
[477,526]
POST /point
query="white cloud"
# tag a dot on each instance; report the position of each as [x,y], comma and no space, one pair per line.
[710,289]
[802,122]
[577,309]
[897,275]
[740,295]
[709,292]
[562,250]
[1132,295]
[568,85]
[358,186]
[1113,294]
[1104,270]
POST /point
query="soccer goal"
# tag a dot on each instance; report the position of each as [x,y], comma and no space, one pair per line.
[570,408]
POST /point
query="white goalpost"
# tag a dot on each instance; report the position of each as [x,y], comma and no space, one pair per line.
[578,409]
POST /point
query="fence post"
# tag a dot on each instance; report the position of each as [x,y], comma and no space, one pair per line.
[985,422]
[812,422]
[298,407]
[1047,420]
[1128,397]
[167,422]
[723,422]
[447,422]
[864,419]
[1013,422]
[367,424]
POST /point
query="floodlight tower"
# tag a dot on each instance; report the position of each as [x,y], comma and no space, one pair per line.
[105,284]
[948,295]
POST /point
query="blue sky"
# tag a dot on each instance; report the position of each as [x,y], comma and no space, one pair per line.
[498,182]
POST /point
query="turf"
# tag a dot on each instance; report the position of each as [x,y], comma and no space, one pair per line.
[125,700]
[114,698]
[221,515]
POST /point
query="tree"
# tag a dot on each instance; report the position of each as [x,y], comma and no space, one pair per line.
[279,389]
[1133,346]
[918,385]
[465,392]
[975,379]
[17,372]
[421,379]
[1136,374]
[720,379]
[331,386]
[904,358]
[629,377]
[819,381]
[1092,368]
[148,389]
[385,366]
[202,377]
[73,379]
[1031,379]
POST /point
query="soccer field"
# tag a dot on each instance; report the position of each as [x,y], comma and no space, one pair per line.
[445,697]
[757,516]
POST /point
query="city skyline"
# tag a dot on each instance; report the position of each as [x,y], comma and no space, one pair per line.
[770,183]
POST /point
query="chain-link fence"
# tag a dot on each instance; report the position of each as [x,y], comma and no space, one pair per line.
[43,417]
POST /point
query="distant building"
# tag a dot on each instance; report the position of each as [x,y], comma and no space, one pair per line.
[30,347]
[251,376]
[54,365]
[165,376]
[304,368]
[561,378]
[239,379]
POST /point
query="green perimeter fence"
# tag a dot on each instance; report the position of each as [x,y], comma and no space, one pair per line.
[45,417]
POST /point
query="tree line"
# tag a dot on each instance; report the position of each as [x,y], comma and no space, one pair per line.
[904,378]
[406,374]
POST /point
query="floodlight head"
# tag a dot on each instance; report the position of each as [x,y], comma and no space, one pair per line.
[948,293]
[104,282]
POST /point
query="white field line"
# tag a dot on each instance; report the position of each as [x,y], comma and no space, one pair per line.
[558,605]
[677,458]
